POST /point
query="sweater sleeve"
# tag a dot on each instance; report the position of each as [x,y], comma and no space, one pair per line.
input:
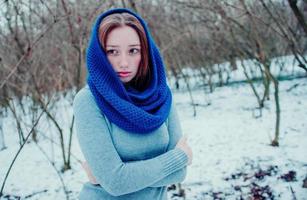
[114,175]
[175,133]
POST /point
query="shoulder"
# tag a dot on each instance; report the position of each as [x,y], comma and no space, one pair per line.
[85,107]
[173,110]
[172,114]
[83,94]
[84,99]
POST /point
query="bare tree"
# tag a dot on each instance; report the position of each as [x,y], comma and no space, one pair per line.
[300,17]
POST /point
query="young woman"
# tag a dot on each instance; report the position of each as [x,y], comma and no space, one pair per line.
[126,123]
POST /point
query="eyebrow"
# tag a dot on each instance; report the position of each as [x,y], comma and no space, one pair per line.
[131,45]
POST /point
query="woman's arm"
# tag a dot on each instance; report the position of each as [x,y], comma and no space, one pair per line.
[173,178]
[115,176]
[175,133]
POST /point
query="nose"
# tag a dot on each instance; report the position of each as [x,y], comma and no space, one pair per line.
[123,63]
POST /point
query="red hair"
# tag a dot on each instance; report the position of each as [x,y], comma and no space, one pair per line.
[112,21]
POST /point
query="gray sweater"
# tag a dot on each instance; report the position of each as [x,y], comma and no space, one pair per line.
[127,165]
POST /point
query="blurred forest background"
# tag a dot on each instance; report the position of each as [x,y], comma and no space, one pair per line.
[43,45]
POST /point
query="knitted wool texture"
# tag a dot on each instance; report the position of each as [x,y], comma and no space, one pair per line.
[129,109]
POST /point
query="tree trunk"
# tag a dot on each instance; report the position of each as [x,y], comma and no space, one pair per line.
[250,82]
[2,144]
[277,124]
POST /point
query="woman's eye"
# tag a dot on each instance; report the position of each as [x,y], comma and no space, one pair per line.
[112,52]
[134,51]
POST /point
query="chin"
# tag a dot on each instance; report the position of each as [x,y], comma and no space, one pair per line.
[126,80]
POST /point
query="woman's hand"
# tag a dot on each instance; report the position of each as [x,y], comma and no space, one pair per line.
[89,174]
[183,145]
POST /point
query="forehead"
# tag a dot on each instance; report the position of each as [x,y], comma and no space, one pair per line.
[123,35]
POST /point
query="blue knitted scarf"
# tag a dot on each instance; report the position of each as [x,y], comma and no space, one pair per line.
[129,109]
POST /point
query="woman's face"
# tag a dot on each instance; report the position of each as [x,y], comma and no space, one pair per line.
[123,49]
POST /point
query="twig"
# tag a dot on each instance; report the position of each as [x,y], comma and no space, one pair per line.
[29,49]
[35,193]
[293,193]
[25,141]
[292,87]
[58,173]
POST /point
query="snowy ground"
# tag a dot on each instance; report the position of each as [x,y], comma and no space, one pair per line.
[228,140]
[232,155]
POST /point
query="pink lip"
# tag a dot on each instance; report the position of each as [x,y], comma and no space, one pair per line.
[124,74]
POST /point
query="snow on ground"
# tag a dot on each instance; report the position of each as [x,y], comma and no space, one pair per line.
[227,139]
[230,147]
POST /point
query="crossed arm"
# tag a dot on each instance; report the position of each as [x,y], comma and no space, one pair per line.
[114,175]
